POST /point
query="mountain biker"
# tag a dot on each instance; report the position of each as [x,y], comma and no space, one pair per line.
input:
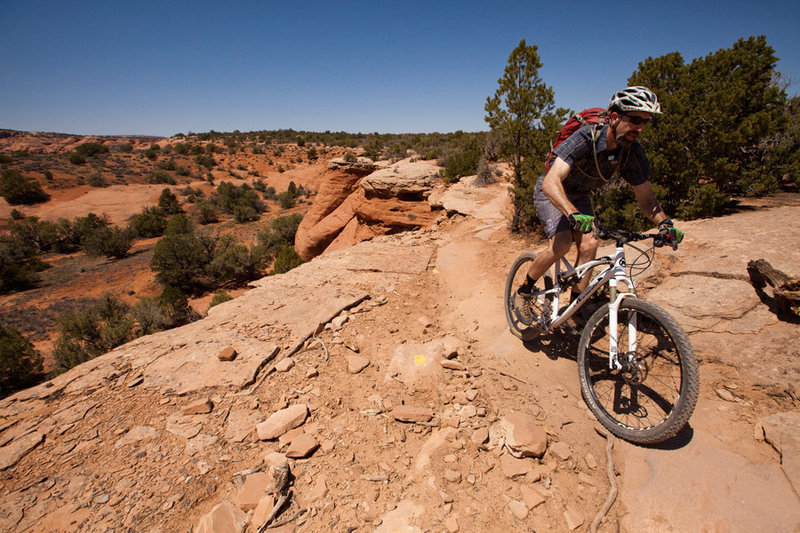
[580,165]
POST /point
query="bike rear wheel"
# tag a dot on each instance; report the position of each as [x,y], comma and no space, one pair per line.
[653,396]
[538,310]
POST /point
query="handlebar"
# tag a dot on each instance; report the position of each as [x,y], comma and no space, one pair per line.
[622,236]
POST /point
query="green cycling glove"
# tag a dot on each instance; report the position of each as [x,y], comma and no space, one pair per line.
[672,235]
[580,222]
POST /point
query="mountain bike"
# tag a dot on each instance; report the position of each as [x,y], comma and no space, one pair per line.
[637,368]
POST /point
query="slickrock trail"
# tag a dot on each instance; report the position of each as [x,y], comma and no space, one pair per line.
[384,377]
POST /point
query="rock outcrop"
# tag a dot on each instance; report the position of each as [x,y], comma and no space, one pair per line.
[357,201]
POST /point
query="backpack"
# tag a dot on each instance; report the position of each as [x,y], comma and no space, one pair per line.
[593,115]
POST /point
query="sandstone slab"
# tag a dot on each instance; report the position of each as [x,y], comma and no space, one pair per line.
[10,454]
[224,518]
[282,421]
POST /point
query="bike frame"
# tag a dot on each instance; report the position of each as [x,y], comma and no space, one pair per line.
[613,274]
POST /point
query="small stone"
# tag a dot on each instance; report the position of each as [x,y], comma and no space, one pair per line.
[451,364]
[453,476]
[408,413]
[726,395]
[480,436]
[289,436]
[574,518]
[447,497]
[531,496]
[472,394]
[282,421]
[523,435]
[252,491]
[591,462]
[312,373]
[302,446]
[318,490]
[518,509]
[224,517]
[199,407]
[203,467]
[284,365]
[228,354]
[513,467]
[263,509]
[468,411]
[356,363]
[450,458]
[560,451]
[451,524]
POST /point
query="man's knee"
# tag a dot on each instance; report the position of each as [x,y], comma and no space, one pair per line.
[560,244]
[589,244]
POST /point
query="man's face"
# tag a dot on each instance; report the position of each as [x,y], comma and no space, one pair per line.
[627,129]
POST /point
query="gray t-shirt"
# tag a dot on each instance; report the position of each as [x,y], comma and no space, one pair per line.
[583,178]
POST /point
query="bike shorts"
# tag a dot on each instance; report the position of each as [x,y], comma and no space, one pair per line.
[553,220]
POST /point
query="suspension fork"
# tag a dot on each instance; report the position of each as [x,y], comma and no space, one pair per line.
[615,300]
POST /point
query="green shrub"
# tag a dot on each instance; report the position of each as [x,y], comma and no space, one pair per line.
[206,160]
[180,257]
[91,149]
[151,154]
[158,177]
[148,224]
[220,296]
[91,332]
[350,157]
[169,164]
[234,264]
[206,212]
[84,227]
[96,180]
[286,260]
[281,233]
[77,159]
[181,170]
[48,176]
[244,213]
[461,164]
[16,214]
[17,189]
[20,363]
[112,242]
[182,148]
[19,264]
[168,203]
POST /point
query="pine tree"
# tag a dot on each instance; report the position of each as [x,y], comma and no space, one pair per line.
[522,118]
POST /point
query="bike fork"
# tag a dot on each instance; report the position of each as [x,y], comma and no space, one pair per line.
[613,331]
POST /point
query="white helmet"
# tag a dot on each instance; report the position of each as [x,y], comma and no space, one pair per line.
[635,99]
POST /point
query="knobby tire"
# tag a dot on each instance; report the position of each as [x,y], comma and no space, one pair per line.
[652,399]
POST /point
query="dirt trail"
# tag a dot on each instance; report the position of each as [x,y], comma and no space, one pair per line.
[160,433]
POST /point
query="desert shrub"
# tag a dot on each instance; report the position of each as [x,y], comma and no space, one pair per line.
[125,148]
[5,159]
[205,212]
[48,176]
[16,214]
[281,233]
[96,179]
[286,260]
[112,242]
[287,200]
[19,264]
[150,223]
[170,309]
[259,186]
[234,264]
[160,177]
[463,163]
[228,197]
[84,227]
[180,257]
[350,157]
[182,148]
[20,363]
[91,332]
[43,235]
[76,159]
[244,213]
[206,160]
[168,164]
[91,149]
[17,189]
[168,203]
[269,193]
[196,149]
[220,296]
[151,154]
[181,170]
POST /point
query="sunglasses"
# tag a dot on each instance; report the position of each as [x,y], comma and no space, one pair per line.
[636,119]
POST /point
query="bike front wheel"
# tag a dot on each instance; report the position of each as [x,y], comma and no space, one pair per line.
[653,395]
[534,309]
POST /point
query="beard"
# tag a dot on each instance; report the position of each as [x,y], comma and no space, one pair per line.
[623,139]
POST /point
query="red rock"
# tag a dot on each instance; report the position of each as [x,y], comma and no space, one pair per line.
[408,413]
[199,407]
[282,421]
[228,354]
[302,446]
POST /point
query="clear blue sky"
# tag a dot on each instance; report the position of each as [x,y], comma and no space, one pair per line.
[160,68]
